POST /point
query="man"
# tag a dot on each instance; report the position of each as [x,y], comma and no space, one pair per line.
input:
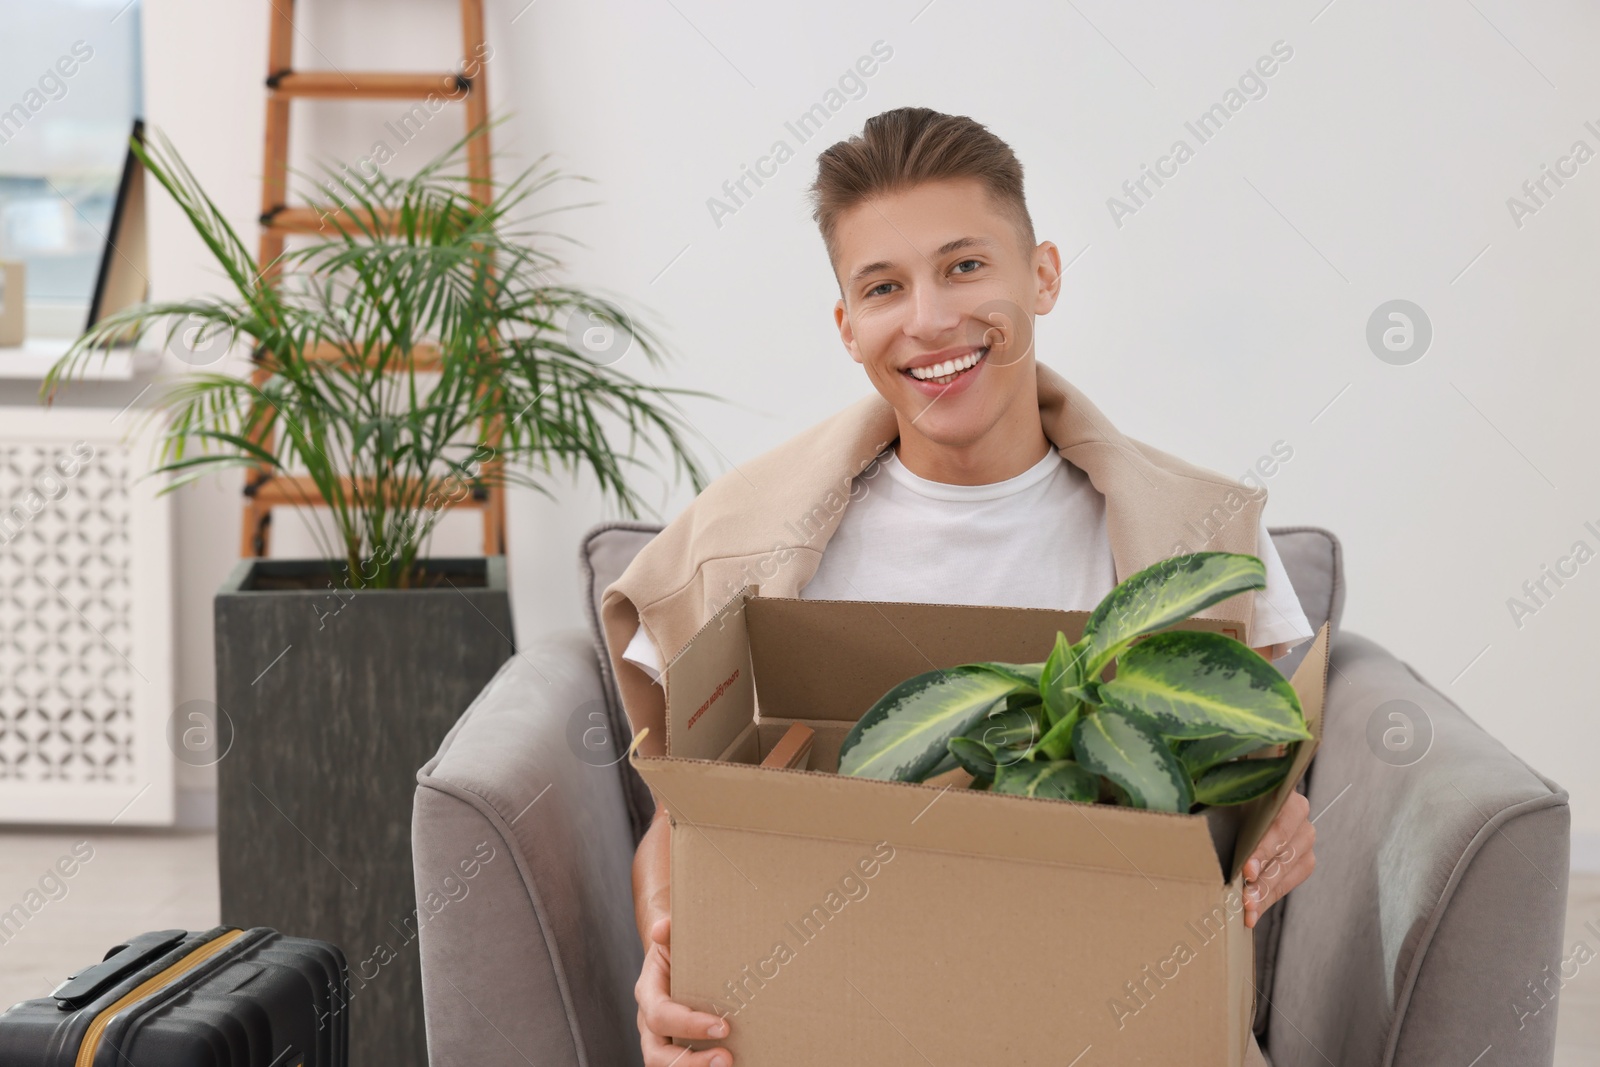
[1003,485]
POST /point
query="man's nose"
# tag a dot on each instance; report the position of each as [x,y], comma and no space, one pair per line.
[934,311]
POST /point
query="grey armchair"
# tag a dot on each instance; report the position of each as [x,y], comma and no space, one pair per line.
[1438,896]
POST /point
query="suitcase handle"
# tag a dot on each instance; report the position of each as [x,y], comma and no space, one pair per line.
[122,959]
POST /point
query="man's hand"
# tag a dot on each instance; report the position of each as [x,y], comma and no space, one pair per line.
[1281,861]
[661,1018]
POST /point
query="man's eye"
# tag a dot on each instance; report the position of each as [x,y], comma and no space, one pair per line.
[881,285]
[975,262]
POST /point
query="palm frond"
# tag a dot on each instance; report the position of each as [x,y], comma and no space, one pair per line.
[427,262]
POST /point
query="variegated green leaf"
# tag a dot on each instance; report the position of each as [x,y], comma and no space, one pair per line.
[1025,673]
[1060,779]
[1165,592]
[1028,699]
[947,763]
[1007,729]
[1240,780]
[976,757]
[905,734]
[1062,670]
[1056,744]
[1127,752]
[1196,684]
[1200,754]
[1010,734]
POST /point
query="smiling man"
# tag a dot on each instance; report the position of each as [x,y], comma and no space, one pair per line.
[992,479]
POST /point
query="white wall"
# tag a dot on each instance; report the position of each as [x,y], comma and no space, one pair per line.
[1226,314]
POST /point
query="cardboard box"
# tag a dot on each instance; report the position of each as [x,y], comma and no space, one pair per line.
[845,920]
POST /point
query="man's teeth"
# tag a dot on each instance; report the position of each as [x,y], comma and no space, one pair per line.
[948,369]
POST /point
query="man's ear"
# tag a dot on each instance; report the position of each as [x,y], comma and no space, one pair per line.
[847,332]
[1047,271]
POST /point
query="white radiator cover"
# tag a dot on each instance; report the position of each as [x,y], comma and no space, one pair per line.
[85,621]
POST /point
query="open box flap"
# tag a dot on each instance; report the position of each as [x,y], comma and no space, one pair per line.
[1310,683]
[716,670]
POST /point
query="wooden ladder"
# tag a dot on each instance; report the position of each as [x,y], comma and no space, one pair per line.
[264,489]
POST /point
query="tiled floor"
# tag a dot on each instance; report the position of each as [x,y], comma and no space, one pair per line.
[134,881]
[131,881]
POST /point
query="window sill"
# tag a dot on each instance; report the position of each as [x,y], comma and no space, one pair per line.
[33,360]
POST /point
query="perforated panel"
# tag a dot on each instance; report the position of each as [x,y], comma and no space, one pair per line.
[85,624]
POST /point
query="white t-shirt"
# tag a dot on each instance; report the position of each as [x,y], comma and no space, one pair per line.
[905,538]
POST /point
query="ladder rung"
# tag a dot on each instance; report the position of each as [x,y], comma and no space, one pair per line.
[333,83]
[294,489]
[314,220]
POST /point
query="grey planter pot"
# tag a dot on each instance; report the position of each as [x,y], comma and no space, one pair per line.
[334,703]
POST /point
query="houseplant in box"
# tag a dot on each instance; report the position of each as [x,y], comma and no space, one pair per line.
[415,350]
[1179,726]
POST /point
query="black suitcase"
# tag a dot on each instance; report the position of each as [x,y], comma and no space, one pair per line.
[223,997]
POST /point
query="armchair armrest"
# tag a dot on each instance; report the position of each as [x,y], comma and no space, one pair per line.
[523,856]
[1439,892]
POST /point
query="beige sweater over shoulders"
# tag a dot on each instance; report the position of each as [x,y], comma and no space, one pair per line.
[746,526]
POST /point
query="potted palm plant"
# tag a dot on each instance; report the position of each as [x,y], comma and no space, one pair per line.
[417,349]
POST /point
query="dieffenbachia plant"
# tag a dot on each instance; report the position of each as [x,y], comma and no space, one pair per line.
[1169,731]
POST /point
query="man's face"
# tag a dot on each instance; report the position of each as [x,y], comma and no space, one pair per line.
[933,275]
